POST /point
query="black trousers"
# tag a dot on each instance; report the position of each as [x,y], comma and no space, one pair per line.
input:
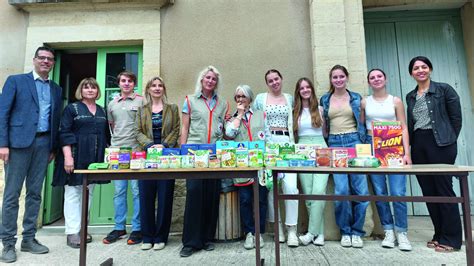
[156,220]
[445,216]
[201,211]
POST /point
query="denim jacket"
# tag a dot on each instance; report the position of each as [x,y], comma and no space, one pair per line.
[355,99]
[444,110]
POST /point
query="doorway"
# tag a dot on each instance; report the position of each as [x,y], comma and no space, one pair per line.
[71,67]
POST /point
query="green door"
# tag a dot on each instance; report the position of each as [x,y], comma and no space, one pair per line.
[53,196]
[110,62]
[393,38]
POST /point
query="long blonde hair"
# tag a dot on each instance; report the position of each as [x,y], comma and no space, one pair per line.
[316,120]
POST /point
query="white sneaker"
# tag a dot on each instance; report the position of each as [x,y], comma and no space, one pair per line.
[319,240]
[146,246]
[292,238]
[159,246]
[389,239]
[306,239]
[357,242]
[346,241]
[281,233]
[403,242]
[249,241]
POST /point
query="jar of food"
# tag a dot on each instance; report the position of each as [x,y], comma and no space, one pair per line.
[125,155]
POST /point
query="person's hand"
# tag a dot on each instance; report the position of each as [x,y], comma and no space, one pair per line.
[407,159]
[69,165]
[157,146]
[240,109]
[4,153]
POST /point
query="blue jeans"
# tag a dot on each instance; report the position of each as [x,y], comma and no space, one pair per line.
[120,204]
[350,216]
[27,165]
[397,184]
[246,208]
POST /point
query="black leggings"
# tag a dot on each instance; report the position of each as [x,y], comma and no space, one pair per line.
[445,216]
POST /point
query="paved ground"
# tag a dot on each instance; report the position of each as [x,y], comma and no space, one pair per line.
[234,254]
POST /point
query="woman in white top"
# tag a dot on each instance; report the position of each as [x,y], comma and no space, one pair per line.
[381,106]
[278,109]
[308,129]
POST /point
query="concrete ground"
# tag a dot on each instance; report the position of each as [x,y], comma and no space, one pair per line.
[233,253]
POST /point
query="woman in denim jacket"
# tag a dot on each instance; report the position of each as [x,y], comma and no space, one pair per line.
[434,121]
[341,113]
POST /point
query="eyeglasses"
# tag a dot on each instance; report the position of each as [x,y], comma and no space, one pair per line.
[44,58]
[240,97]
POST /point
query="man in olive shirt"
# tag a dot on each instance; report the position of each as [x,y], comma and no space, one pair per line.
[121,113]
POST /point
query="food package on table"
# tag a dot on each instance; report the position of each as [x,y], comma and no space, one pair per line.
[364,162]
[164,162]
[136,164]
[189,149]
[309,150]
[323,157]
[201,159]
[228,158]
[340,156]
[282,163]
[363,150]
[270,159]
[214,161]
[187,161]
[286,148]
[154,153]
[175,161]
[272,148]
[111,153]
[171,151]
[255,158]
[242,157]
[151,164]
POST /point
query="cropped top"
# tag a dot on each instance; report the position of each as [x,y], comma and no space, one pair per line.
[379,110]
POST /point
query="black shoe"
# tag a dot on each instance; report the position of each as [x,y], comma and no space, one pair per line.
[114,236]
[135,238]
[208,246]
[186,251]
[8,254]
[88,238]
[33,246]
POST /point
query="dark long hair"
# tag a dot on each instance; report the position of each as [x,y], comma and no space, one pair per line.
[316,120]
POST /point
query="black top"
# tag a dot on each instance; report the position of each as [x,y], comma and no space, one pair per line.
[157,125]
[88,136]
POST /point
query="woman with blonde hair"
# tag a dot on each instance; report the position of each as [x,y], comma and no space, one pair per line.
[308,129]
[157,127]
[204,114]
[83,134]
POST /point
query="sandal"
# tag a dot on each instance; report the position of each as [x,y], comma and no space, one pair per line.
[445,249]
[432,244]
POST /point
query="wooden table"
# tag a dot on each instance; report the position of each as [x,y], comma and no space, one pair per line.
[422,169]
[154,174]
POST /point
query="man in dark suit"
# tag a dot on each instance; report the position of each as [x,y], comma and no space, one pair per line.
[30,108]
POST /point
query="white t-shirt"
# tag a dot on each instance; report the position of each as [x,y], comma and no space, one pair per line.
[304,125]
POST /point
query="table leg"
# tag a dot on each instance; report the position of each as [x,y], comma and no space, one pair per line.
[276,218]
[466,209]
[85,203]
[256,215]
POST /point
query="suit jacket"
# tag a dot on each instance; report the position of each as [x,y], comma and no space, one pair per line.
[19,112]
[170,127]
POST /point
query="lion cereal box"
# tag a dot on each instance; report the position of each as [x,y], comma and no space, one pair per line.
[387,142]
[323,157]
